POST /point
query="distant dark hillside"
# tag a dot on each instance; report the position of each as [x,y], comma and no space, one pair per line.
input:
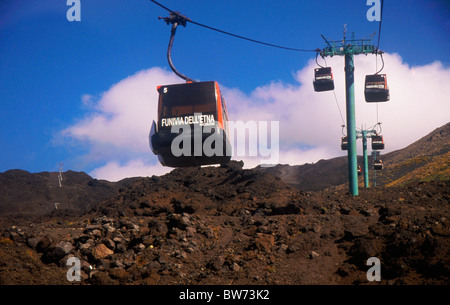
[435,143]
[23,193]
[424,160]
[312,177]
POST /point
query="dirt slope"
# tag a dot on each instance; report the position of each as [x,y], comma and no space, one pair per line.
[226,225]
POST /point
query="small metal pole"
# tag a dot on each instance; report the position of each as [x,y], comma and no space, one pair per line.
[365,159]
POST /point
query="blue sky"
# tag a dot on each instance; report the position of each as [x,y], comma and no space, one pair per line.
[55,73]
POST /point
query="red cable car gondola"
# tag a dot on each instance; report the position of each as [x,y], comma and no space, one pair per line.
[199,111]
[191,129]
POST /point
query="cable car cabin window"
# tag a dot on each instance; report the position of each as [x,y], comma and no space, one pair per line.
[169,111]
[323,79]
[187,99]
[376,88]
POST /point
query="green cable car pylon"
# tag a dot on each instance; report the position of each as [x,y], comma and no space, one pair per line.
[349,48]
[376,146]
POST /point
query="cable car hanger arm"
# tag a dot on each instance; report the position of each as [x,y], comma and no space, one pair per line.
[382,61]
[175,19]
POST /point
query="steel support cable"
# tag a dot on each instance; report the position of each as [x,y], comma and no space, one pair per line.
[378,42]
[379,125]
[252,40]
[343,128]
[381,54]
[234,35]
[372,127]
[378,121]
[340,112]
[376,127]
[334,92]
[379,28]
[382,61]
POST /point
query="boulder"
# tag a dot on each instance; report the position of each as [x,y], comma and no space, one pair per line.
[101,251]
[56,252]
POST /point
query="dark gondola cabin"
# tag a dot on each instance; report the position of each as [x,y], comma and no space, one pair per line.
[344,143]
[323,79]
[191,127]
[378,165]
[376,88]
[377,142]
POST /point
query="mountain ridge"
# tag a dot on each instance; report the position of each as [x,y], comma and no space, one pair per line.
[25,193]
[37,194]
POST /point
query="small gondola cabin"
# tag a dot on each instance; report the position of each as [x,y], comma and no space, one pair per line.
[376,88]
[323,79]
[377,142]
[344,143]
[378,165]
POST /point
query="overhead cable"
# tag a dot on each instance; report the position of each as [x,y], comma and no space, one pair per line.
[231,34]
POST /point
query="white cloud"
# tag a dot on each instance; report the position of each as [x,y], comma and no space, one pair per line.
[116,128]
[116,132]
[124,113]
[419,103]
[114,171]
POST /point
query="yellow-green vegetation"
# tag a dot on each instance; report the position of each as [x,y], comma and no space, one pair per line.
[436,169]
